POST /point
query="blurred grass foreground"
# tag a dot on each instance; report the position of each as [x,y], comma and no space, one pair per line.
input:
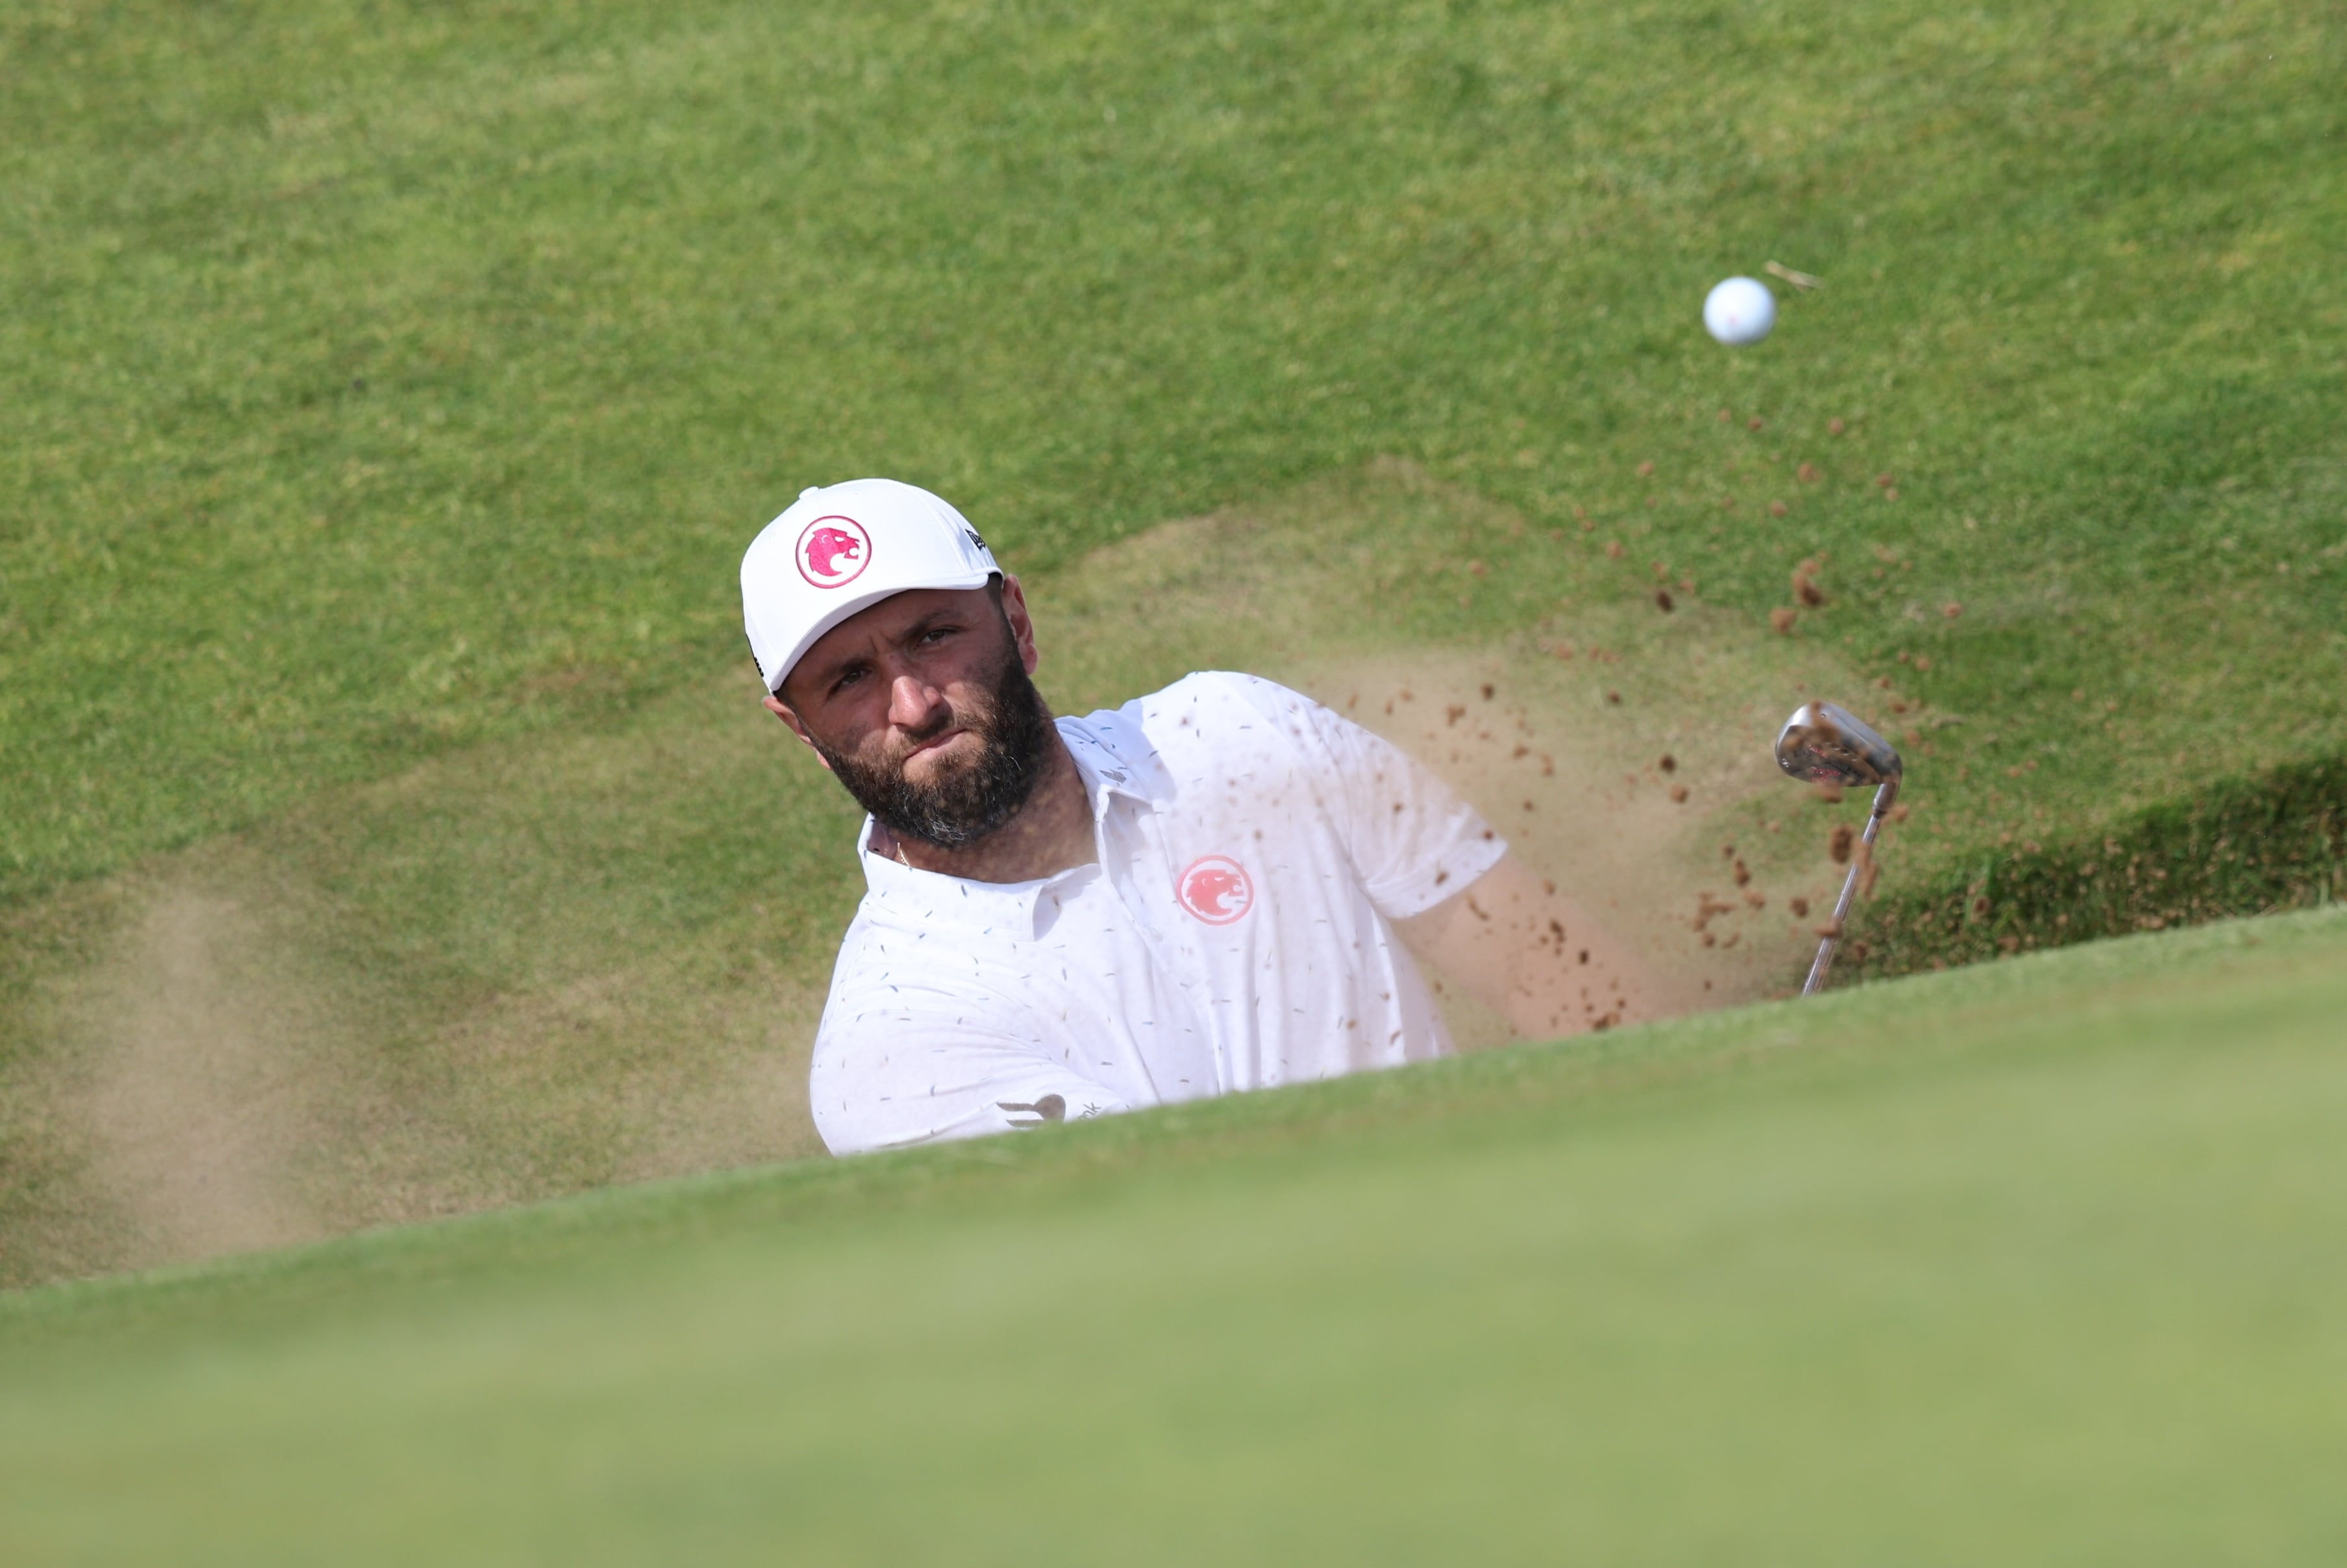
[2024,1262]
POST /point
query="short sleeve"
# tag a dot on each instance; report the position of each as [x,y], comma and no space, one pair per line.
[923,1069]
[1412,841]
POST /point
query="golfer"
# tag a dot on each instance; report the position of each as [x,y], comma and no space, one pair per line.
[1218,887]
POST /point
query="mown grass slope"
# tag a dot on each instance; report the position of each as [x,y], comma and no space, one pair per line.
[381,378]
[2023,1263]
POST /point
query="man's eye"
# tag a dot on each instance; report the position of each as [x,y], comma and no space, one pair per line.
[848,677]
[936,634]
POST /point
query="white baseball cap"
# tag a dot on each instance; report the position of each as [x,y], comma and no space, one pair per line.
[839,549]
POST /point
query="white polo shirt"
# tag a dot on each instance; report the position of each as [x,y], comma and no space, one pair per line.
[1234,933]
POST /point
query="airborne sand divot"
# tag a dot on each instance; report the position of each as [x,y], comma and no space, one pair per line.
[1288,589]
[1585,806]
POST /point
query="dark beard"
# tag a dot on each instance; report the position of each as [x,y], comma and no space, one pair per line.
[964,806]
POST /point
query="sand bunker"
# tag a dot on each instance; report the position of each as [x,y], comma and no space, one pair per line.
[519,971]
[199,1098]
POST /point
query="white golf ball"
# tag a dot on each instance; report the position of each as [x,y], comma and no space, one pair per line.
[1740,311]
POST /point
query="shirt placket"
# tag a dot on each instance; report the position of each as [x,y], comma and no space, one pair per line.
[1122,838]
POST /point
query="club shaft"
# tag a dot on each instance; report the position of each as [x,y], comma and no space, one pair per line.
[1883,799]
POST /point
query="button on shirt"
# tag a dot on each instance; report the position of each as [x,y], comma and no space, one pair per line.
[1235,932]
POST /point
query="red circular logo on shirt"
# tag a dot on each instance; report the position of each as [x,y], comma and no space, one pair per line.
[1215,890]
[834,551]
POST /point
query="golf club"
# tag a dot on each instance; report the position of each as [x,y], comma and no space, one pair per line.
[1823,744]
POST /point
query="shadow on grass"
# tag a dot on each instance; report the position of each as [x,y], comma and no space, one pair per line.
[2275,840]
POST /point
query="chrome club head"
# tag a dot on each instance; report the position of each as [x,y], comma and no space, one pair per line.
[1824,744]
[1827,745]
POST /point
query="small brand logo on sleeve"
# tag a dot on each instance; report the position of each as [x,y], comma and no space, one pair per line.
[1215,889]
[1051,1108]
[834,551]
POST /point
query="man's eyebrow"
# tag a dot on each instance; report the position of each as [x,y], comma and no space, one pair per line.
[826,675]
[931,621]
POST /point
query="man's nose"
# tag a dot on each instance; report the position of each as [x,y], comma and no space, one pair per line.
[914,704]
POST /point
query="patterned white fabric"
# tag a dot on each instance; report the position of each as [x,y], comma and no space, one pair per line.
[1233,934]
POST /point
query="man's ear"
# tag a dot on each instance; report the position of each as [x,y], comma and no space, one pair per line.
[781,709]
[1022,625]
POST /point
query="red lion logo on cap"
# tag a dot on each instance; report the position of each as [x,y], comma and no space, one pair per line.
[1215,890]
[834,551]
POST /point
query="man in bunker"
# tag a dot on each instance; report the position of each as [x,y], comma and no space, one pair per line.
[1218,886]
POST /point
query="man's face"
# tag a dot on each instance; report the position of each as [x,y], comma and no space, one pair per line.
[923,707]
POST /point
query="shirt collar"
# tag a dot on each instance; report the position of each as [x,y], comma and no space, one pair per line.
[1114,757]
[1111,756]
[956,898]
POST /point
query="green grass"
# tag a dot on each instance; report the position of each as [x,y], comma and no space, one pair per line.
[2019,1263]
[387,391]
[379,379]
